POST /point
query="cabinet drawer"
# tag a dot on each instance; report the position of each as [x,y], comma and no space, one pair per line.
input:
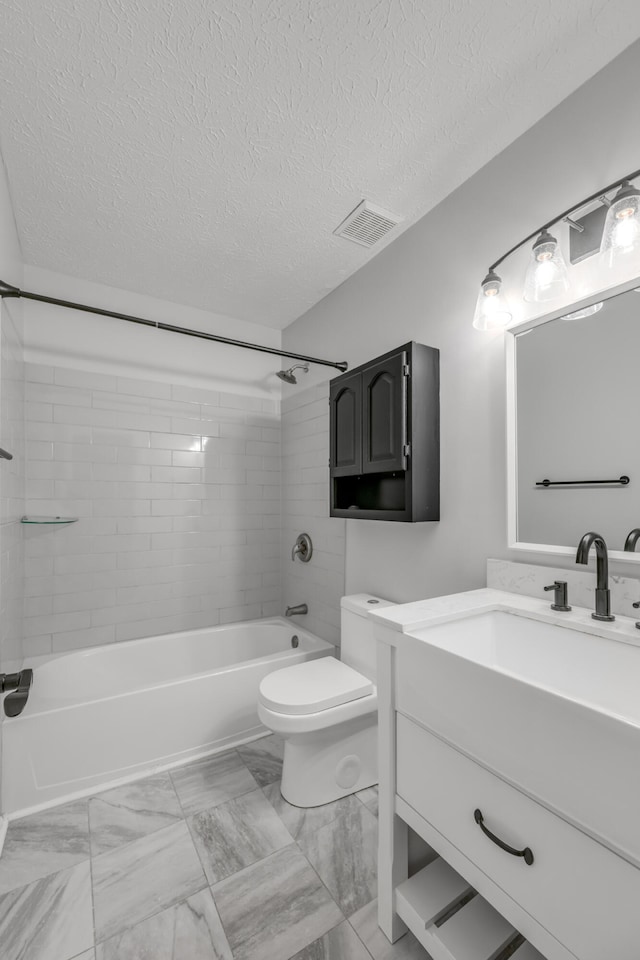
[585,895]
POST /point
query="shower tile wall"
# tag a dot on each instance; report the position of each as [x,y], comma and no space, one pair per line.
[305,508]
[177,491]
[11,486]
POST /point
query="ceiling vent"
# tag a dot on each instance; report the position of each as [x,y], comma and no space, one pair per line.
[366,224]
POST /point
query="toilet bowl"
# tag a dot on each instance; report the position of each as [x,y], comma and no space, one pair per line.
[326,711]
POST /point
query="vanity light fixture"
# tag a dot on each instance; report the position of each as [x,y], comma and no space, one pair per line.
[492,310]
[621,234]
[547,276]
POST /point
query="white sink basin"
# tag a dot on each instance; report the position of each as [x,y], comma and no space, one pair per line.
[554,710]
[594,670]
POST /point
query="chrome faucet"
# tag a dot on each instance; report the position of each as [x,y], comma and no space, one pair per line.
[632,539]
[296,611]
[603,594]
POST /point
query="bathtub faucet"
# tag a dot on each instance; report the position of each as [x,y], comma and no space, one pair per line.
[297,611]
[20,685]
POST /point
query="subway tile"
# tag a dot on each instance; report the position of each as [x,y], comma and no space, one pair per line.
[158,524]
[121,543]
[202,426]
[36,646]
[221,445]
[175,508]
[239,402]
[84,452]
[38,566]
[84,563]
[51,393]
[176,441]
[142,421]
[38,450]
[84,416]
[59,470]
[122,471]
[37,606]
[58,507]
[177,409]
[84,490]
[90,381]
[120,403]
[38,373]
[57,432]
[262,448]
[38,489]
[140,455]
[136,559]
[160,625]
[87,600]
[143,388]
[240,431]
[192,491]
[175,474]
[78,639]
[55,623]
[187,458]
[122,508]
[194,394]
[39,412]
[121,438]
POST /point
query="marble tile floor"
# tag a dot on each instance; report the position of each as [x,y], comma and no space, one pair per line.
[206,862]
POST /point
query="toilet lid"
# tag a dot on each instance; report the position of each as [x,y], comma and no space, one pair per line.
[313,686]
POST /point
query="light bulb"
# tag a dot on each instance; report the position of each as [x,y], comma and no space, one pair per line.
[585,312]
[621,233]
[546,277]
[492,310]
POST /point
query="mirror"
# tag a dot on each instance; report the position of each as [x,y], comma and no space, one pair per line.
[575,423]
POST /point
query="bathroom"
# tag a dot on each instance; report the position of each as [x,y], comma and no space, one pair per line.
[181,472]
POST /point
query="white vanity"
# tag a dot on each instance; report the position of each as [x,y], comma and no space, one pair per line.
[501,720]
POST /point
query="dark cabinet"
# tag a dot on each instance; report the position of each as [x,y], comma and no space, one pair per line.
[346,425]
[385,437]
[384,414]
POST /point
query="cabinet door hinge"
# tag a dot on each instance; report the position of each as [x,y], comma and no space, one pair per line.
[406,450]
[406,370]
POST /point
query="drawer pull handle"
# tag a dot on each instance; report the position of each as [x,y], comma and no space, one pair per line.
[527,853]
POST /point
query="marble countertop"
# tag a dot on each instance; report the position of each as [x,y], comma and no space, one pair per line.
[406,618]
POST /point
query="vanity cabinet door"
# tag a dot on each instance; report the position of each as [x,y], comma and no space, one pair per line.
[345,400]
[384,399]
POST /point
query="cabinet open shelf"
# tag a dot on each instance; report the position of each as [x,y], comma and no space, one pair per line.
[452,922]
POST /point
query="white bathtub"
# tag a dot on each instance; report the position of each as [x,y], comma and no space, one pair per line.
[114,712]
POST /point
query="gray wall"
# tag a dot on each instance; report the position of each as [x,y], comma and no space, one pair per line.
[424,286]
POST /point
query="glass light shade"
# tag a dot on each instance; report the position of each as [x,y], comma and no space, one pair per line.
[492,309]
[546,277]
[621,233]
[585,312]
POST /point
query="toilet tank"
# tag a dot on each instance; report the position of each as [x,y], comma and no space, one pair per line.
[357,643]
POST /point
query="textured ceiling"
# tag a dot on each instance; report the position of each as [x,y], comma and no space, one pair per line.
[204,150]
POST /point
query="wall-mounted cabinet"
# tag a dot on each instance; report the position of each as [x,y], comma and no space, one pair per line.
[385,437]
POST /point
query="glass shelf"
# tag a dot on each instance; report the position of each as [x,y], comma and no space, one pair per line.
[49,520]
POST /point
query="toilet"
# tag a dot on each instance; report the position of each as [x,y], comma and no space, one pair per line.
[326,711]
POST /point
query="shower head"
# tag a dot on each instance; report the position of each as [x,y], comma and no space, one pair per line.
[288,375]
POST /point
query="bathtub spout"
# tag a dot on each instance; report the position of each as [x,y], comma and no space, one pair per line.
[297,611]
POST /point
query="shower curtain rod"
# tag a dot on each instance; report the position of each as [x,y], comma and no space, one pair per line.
[7,290]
